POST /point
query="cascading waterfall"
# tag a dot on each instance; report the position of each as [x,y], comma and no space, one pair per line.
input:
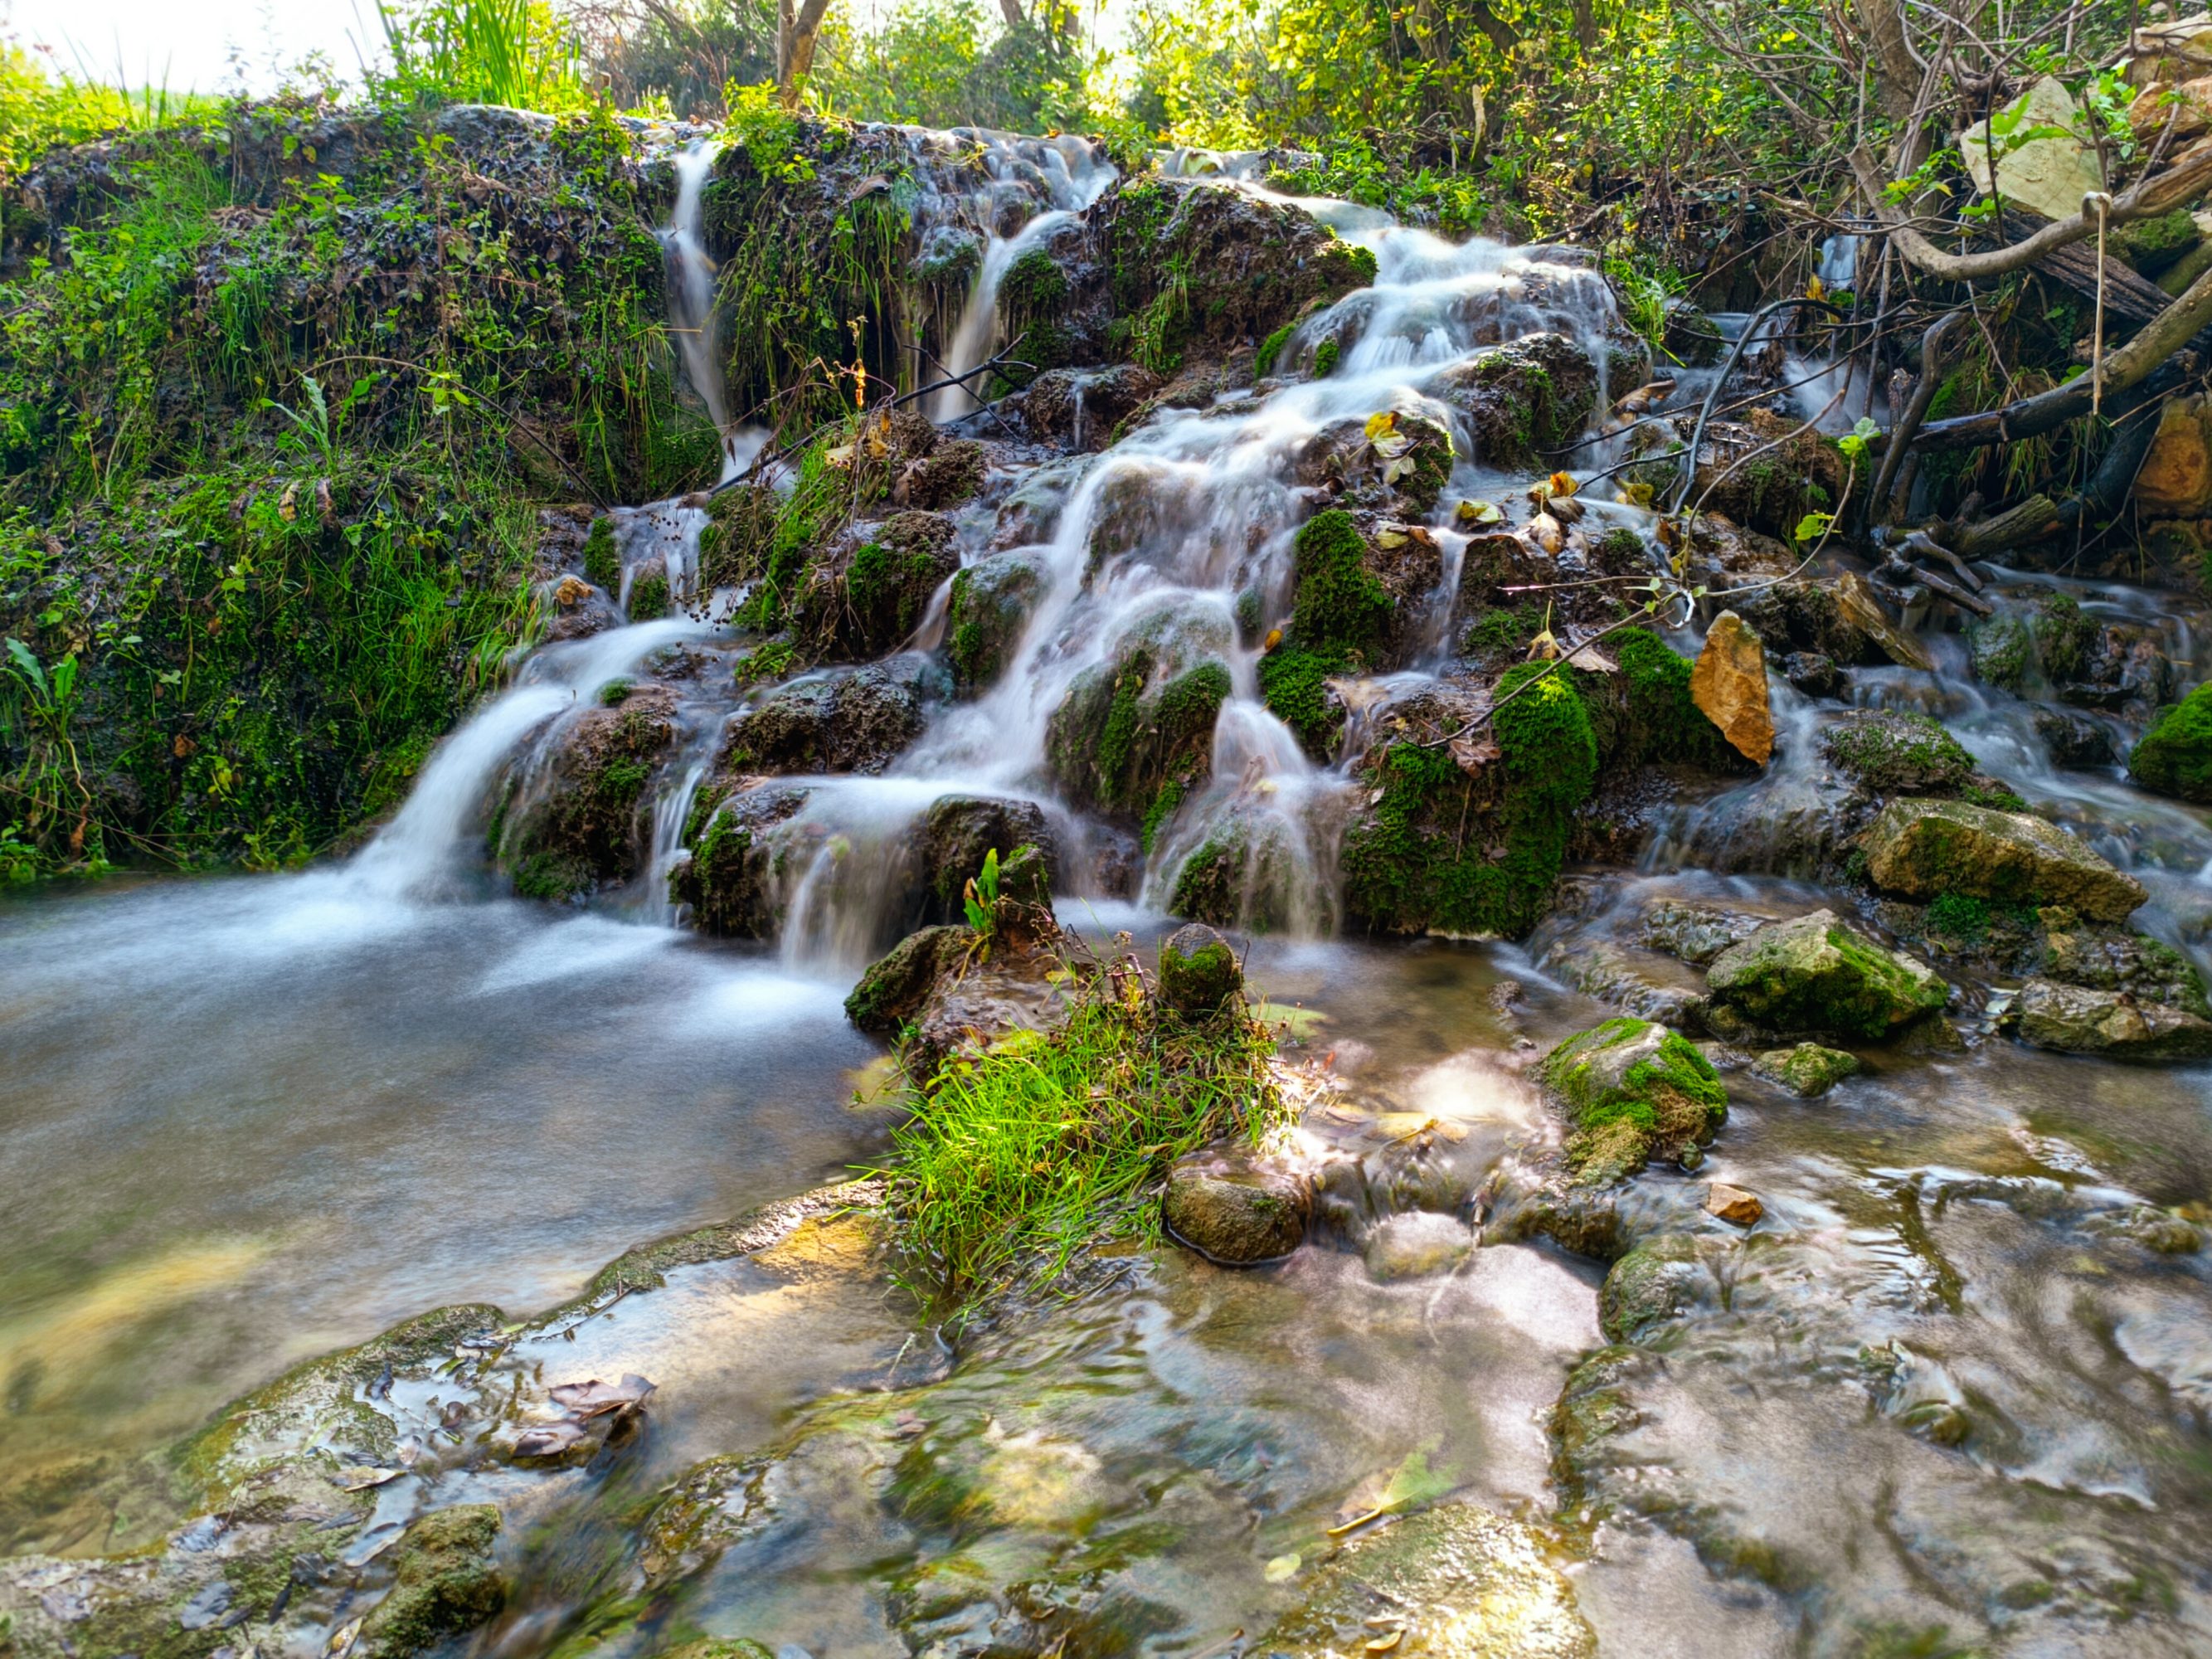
[692,316]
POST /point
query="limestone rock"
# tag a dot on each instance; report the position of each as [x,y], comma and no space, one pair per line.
[1812,973]
[1465,1583]
[1696,933]
[1633,1091]
[2078,1019]
[2049,175]
[1733,1204]
[1082,407]
[1891,752]
[1236,1214]
[1199,973]
[1518,399]
[2077,742]
[1925,848]
[2176,477]
[1729,685]
[1807,1069]
[444,1582]
[958,832]
[985,615]
[850,720]
[1417,1245]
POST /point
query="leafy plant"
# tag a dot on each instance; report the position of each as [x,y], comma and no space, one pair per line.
[981,898]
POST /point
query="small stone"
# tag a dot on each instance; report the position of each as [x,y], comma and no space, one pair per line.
[1236,1215]
[1733,1205]
[1417,1245]
[1812,973]
[1807,1070]
[1199,973]
[1814,674]
[1729,684]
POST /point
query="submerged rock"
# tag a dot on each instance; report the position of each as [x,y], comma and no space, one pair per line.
[1458,1580]
[1814,973]
[1654,1283]
[1807,1070]
[729,879]
[2175,756]
[1199,973]
[1235,1213]
[1926,848]
[1696,933]
[2078,1019]
[1417,1245]
[1634,1091]
[443,1582]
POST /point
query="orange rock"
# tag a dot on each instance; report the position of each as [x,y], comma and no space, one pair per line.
[1733,1205]
[2176,478]
[1729,684]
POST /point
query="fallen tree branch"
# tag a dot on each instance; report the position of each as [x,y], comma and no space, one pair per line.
[1931,375]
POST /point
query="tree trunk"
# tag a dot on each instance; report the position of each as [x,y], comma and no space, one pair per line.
[797,29]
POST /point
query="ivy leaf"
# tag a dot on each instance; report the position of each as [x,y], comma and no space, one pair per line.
[1813,527]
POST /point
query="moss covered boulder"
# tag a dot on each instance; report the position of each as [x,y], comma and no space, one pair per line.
[1083,408]
[444,1583]
[2175,756]
[985,615]
[1814,973]
[2079,1019]
[1339,616]
[951,472]
[733,879]
[959,831]
[1135,732]
[584,825]
[1807,1069]
[1925,849]
[892,994]
[1458,1580]
[856,720]
[879,596]
[1893,753]
[1633,1091]
[1199,973]
[1516,400]
[1235,1212]
[1652,1286]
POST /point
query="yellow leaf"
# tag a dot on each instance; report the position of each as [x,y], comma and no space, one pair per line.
[1379,424]
[1282,1567]
[1274,639]
[1480,513]
[1814,289]
[1637,495]
[1563,484]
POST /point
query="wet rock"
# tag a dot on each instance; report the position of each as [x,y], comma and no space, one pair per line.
[1235,1213]
[1893,753]
[1083,408]
[1926,848]
[1733,1205]
[1518,400]
[1769,490]
[950,473]
[1654,1283]
[584,825]
[1807,1070]
[985,614]
[1631,981]
[1133,731]
[715,1647]
[874,600]
[2076,1020]
[1692,338]
[2175,756]
[2077,742]
[1633,1091]
[729,879]
[1841,619]
[2080,953]
[1814,675]
[1728,685]
[959,830]
[1399,470]
[1812,973]
[893,992]
[1199,973]
[1417,1245]
[1460,1581]
[1696,933]
[839,720]
[1015,988]
[443,1582]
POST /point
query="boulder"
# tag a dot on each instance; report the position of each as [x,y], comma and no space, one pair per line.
[2078,1019]
[1696,933]
[1889,753]
[1728,685]
[1519,400]
[948,475]
[1083,407]
[1807,1070]
[1235,1213]
[1467,1583]
[879,596]
[2175,480]
[1134,731]
[893,992]
[1812,973]
[444,1583]
[2110,959]
[1633,1091]
[2076,742]
[985,614]
[585,825]
[1814,675]
[1926,848]
[958,831]
[1199,974]
[729,881]
[1692,338]
[854,719]
[1653,1284]
[2175,756]
[1418,1244]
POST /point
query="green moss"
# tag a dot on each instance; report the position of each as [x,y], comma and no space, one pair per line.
[2065,639]
[613,692]
[1116,743]
[602,564]
[2175,756]
[1445,851]
[2002,650]
[649,597]
[1664,721]
[1632,1088]
[1325,356]
[443,1582]
[1162,809]
[1338,612]
[1891,752]
[1959,916]
[1271,348]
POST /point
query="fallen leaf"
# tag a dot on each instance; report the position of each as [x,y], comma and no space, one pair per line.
[341,1638]
[1562,483]
[1548,533]
[1473,754]
[1592,660]
[1384,1643]
[361,1480]
[595,1398]
[1282,1567]
[287,505]
[840,457]
[548,1439]
[1480,513]
[1379,424]
[1728,685]
[1638,494]
[1274,638]
[1392,536]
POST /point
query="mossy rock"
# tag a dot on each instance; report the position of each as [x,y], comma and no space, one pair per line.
[1128,730]
[1338,616]
[740,535]
[1634,1091]
[1236,1215]
[1893,753]
[588,826]
[952,472]
[2003,651]
[957,833]
[1467,1584]
[1654,1285]
[443,1582]
[896,987]
[1199,973]
[842,720]
[733,879]
[2078,1019]
[1812,973]
[1807,1070]
[602,560]
[2175,755]
[880,596]
[716,1646]
[1520,399]
[985,616]
[1926,849]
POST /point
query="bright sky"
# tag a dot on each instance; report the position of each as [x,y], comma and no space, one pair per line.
[190,45]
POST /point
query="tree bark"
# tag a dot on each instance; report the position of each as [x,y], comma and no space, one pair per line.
[1896,71]
[797,29]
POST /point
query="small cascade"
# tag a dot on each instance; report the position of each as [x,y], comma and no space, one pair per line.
[692,317]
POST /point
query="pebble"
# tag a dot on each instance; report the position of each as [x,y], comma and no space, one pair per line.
[1733,1204]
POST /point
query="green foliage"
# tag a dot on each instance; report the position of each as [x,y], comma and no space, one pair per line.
[1325,356]
[517,52]
[981,900]
[1959,916]
[602,564]
[2175,756]
[1016,1159]
[950,63]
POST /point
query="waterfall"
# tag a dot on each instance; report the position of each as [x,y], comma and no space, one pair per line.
[692,318]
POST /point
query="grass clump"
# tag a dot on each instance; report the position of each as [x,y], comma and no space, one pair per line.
[1016,1159]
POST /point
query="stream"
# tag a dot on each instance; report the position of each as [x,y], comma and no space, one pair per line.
[1951,1395]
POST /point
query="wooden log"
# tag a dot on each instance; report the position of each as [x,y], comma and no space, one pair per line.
[2031,520]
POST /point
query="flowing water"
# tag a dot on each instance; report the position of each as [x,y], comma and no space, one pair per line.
[1952,1397]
